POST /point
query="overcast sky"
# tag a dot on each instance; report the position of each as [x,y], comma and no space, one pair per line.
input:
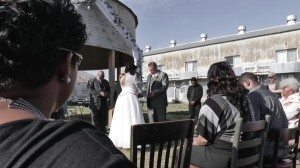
[184,20]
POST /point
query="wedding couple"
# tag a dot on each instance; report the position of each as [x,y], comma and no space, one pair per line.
[128,109]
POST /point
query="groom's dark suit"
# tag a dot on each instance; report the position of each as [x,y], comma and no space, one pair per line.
[158,84]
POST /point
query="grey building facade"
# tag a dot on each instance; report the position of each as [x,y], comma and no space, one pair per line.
[274,49]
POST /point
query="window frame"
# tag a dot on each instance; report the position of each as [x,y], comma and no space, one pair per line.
[193,64]
[234,62]
[284,56]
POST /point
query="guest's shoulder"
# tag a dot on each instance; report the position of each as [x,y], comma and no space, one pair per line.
[82,136]
[216,100]
[215,97]
[210,100]
[162,72]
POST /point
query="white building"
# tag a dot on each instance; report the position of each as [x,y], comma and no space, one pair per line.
[274,49]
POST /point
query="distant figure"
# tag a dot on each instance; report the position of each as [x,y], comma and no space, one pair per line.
[158,83]
[39,61]
[226,102]
[128,109]
[99,90]
[194,95]
[290,100]
[264,102]
[273,84]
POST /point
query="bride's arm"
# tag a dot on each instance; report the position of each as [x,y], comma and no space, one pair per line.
[122,81]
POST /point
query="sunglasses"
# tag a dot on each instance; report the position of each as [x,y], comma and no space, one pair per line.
[79,56]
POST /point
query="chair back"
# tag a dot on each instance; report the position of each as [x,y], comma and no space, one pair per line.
[162,144]
[248,144]
[286,140]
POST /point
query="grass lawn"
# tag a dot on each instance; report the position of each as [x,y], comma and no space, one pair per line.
[175,111]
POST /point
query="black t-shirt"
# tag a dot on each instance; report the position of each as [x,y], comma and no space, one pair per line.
[38,143]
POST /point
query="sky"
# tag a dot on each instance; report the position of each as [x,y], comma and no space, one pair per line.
[160,21]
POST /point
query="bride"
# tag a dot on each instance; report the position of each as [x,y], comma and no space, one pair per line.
[127,110]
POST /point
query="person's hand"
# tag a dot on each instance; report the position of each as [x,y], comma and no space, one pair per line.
[192,103]
[200,141]
[139,95]
[150,95]
[144,93]
[103,94]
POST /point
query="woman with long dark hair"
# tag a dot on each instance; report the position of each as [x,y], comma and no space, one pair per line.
[226,102]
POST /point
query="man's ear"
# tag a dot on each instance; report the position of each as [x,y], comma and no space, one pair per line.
[65,69]
[247,82]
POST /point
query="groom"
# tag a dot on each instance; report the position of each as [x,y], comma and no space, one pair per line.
[157,101]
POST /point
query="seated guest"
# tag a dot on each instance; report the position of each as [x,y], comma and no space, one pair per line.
[290,100]
[38,70]
[226,102]
[263,102]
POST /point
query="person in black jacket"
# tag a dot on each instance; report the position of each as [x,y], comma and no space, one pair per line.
[194,95]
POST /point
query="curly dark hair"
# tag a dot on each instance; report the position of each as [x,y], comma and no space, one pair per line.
[222,80]
[30,32]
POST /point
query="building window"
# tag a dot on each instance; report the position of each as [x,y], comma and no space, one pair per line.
[191,66]
[289,55]
[234,61]
[182,89]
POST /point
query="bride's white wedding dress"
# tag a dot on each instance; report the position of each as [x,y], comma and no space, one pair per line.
[127,112]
